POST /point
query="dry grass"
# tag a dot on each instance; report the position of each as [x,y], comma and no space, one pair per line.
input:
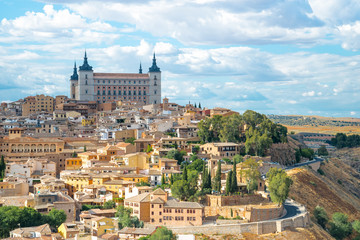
[324,129]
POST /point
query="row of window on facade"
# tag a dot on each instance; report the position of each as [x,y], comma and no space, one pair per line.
[155,84]
[115,93]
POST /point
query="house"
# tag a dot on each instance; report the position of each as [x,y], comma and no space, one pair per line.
[31,232]
[68,230]
[102,225]
[157,209]
[221,150]
[135,233]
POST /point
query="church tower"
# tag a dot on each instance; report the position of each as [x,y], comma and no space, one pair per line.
[86,82]
[155,83]
[74,83]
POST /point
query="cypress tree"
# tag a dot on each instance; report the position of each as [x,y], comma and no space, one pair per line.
[204,178]
[217,180]
[228,183]
[2,167]
[195,105]
[84,148]
[185,174]
[171,179]
[209,180]
[200,105]
[162,179]
[234,185]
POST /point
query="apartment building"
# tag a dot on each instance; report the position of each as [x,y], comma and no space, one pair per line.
[37,104]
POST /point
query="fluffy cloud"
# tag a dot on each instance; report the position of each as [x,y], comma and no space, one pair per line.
[55,26]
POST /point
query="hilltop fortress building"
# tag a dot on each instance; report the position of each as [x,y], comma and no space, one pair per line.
[86,85]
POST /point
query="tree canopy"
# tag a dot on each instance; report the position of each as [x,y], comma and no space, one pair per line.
[340,227]
[126,220]
[279,185]
[162,233]
[260,132]
[321,216]
[177,155]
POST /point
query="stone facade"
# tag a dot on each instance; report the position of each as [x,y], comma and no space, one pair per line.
[85,85]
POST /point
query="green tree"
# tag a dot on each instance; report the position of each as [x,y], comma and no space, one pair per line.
[279,187]
[356,226]
[307,153]
[180,189]
[217,180]
[322,151]
[195,149]
[109,205]
[130,140]
[177,155]
[2,167]
[197,165]
[340,227]
[238,158]
[195,105]
[228,183]
[126,220]
[149,149]
[74,155]
[234,186]
[172,179]
[163,182]
[200,105]
[55,218]
[321,216]
[84,148]
[251,174]
[162,233]
[184,174]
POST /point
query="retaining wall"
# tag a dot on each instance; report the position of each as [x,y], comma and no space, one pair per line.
[265,227]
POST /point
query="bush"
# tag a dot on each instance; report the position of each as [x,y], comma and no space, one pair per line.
[313,183]
[320,171]
[220,217]
[340,227]
[321,216]
[339,181]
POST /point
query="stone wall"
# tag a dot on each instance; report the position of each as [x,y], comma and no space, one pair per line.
[218,201]
[302,220]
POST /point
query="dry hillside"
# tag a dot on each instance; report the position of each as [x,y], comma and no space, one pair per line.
[312,233]
[336,190]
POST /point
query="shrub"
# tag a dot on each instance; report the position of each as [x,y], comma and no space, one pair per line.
[320,171]
[321,216]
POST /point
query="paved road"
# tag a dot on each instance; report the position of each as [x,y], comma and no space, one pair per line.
[316,159]
[291,210]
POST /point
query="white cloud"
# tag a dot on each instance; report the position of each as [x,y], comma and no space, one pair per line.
[308,94]
[352,113]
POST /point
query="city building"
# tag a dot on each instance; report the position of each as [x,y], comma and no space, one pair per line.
[38,103]
[86,85]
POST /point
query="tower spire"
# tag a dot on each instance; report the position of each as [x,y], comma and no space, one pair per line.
[154,67]
[75,75]
[140,69]
[85,66]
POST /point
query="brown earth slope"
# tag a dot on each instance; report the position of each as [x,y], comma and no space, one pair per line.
[335,191]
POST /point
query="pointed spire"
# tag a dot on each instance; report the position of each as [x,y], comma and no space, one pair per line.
[75,75]
[154,67]
[85,66]
[140,69]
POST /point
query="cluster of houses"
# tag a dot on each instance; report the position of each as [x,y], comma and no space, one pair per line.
[82,153]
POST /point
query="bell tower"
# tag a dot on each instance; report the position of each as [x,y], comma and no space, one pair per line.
[86,82]
[74,82]
[155,83]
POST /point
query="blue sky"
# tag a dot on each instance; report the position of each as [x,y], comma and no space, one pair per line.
[280,56]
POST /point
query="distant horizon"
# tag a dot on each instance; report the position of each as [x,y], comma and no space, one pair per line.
[278,57]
